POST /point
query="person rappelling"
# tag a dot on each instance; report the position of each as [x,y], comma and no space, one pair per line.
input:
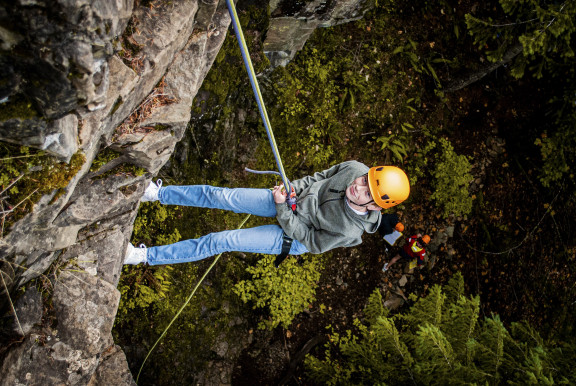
[334,208]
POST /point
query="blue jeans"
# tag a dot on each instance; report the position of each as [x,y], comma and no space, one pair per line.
[265,239]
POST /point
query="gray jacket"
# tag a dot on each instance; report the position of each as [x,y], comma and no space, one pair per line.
[324,220]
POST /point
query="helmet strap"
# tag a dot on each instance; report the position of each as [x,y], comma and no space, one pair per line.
[363,205]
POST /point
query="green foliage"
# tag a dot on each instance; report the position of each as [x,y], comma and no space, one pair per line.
[34,175]
[438,341]
[421,158]
[102,158]
[558,144]
[395,145]
[422,65]
[310,105]
[337,97]
[142,286]
[544,29]
[375,308]
[451,179]
[284,292]
[155,224]
[17,107]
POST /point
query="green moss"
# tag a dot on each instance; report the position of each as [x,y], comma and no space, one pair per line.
[123,169]
[161,127]
[33,185]
[102,158]
[58,194]
[116,105]
[18,106]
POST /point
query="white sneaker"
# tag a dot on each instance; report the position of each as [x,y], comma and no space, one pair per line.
[136,255]
[151,192]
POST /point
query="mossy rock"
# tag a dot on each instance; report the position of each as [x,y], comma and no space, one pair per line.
[17,107]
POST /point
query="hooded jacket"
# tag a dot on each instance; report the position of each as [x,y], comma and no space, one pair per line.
[324,220]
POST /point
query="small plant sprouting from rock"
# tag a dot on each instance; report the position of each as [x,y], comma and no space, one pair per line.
[25,176]
[156,99]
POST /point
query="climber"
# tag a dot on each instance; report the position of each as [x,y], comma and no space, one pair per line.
[413,249]
[390,228]
[390,223]
[335,207]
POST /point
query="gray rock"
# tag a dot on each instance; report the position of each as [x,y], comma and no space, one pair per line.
[24,131]
[287,33]
[394,302]
[28,311]
[61,137]
[86,307]
[403,280]
[113,370]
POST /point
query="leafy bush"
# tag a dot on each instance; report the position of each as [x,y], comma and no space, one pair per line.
[421,157]
[154,224]
[544,29]
[284,292]
[557,145]
[452,176]
[142,286]
[441,339]
[309,107]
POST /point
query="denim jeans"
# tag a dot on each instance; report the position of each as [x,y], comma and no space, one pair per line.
[265,239]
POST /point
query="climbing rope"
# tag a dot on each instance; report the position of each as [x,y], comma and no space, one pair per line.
[185,304]
[256,89]
[291,199]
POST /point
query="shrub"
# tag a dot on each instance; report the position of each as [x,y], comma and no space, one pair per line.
[452,176]
[442,340]
[284,292]
[155,224]
[142,286]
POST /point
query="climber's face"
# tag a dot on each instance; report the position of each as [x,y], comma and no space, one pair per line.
[359,196]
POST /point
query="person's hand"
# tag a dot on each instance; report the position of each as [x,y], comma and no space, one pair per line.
[279,194]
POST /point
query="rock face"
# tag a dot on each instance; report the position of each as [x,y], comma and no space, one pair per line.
[60,59]
[84,76]
[292,23]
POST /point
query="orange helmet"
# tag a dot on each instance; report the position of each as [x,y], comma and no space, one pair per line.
[389,185]
[399,227]
[426,239]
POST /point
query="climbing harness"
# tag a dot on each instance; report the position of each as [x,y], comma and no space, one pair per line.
[286,245]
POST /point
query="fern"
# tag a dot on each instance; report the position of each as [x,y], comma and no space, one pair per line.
[375,308]
[284,292]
